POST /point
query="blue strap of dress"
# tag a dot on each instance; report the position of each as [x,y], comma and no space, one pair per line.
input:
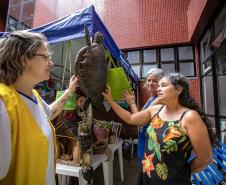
[149,102]
[142,130]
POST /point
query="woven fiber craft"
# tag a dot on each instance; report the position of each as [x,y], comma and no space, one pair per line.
[117,80]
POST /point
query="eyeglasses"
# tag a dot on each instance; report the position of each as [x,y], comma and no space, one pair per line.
[46,57]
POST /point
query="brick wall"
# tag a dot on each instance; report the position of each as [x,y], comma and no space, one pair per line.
[146,23]
[45,12]
[131,23]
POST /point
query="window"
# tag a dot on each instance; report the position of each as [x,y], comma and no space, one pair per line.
[149,61]
[150,56]
[167,60]
[134,59]
[185,53]
[20,16]
[168,68]
[187,69]
[170,59]
[167,54]
[146,68]
[186,60]
[14,24]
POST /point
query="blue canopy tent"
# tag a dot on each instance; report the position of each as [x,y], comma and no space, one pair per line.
[71,28]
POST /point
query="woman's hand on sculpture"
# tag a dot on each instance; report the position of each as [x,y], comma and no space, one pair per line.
[107,94]
[57,106]
[72,84]
[129,97]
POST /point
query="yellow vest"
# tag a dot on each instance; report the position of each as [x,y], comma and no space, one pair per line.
[29,153]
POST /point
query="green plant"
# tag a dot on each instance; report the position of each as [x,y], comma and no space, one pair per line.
[103,124]
[84,125]
[84,128]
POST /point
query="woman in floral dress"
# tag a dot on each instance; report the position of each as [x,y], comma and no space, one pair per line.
[151,84]
[177,128]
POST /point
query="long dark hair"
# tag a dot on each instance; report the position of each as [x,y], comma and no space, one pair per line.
[186,100]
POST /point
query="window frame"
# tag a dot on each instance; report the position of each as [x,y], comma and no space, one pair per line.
[19,23]
[158,62]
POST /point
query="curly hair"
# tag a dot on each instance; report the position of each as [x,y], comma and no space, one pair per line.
[14,48]
[186,100]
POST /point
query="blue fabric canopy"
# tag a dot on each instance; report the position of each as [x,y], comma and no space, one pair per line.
[72,27]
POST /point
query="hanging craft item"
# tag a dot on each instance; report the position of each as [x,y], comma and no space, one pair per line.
[85,129]
[85,141]
[117,79]
[71,102]
[91,68]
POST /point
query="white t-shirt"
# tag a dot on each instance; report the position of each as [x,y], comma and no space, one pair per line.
[5,136]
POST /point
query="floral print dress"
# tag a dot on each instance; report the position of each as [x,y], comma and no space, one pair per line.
[167,150]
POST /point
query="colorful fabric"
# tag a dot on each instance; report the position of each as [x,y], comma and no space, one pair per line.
[167,150]
[142,131]
[117,79]
[71,102]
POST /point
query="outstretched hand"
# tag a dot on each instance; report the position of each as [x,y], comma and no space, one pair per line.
[72,84]
[107,94]
[129,97]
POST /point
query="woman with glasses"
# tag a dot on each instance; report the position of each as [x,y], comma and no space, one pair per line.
[151,84]
[27,137]
[176,128]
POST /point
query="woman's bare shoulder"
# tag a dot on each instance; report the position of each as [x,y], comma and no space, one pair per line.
[154,109]
[192,119]
[191,115]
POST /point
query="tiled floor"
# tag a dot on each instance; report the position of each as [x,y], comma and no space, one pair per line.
[130,172]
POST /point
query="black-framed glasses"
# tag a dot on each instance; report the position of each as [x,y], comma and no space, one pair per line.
[46,57]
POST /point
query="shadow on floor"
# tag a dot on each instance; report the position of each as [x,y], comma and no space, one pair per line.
[130,172]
